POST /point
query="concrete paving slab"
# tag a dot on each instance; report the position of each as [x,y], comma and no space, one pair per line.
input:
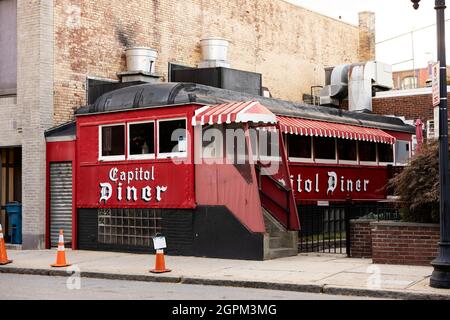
[424,286]
[370,280]
[396,269]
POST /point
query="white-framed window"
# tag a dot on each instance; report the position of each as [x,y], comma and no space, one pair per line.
[111,142]
[347,151]
[300,148]
[325,150]
[409,82]
[402,152]
[172,138]
[268,146]
[141,140]
[385,153]
[367,152]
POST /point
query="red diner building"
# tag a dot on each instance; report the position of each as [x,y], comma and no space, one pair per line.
[218,173]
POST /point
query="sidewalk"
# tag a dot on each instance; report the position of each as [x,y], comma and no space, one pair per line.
[329,274]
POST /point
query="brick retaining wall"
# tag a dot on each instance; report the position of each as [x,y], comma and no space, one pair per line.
[390,242]
[361,238]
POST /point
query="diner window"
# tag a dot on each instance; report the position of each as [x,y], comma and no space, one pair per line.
[141,143]
[324,148]
[367,151]
[112,144]
[385,153]
[172,138]
[401,152]
[347,150]
[299,147]
[268,145]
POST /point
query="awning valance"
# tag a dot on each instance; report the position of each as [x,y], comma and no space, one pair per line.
[336,130]
[251,111]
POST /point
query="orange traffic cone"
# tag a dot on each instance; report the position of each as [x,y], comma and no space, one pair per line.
[160,265]
[61,253]
[3,255]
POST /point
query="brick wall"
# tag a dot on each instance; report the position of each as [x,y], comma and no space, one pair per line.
[10,121]
[404,243]
[35,102]
[391,242]
[361,238]
[288,44]
[366,36]
[412,107]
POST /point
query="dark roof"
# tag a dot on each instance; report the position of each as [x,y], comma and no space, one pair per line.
[63,130]
[165,94]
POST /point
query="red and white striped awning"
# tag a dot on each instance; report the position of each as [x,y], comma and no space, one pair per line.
[330,129]
[251,111]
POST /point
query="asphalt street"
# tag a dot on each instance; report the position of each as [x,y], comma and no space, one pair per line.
[16,286]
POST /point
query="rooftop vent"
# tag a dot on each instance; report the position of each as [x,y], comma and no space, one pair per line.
[141,59]
[214,53]
[141,63]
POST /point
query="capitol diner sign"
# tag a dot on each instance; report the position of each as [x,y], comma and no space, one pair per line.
[132,186]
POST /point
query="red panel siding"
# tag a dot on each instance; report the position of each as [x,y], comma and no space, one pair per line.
[311,182]
[175,181]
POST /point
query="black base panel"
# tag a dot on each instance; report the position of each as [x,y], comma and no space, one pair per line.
[207,231]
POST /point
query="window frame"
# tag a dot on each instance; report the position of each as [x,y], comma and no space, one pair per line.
[299,159]
[327,161]
[354,162]
[149,156]
[368,163]
[384,163]
[101,157]
[409,153]
[169,155]
[271,158]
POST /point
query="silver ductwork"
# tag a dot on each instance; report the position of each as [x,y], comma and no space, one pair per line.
[358,82]
[336,86]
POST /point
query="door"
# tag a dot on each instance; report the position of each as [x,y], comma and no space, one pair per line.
[61,202]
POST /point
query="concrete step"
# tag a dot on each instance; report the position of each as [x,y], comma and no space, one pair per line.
[275,242]
[279,242]
[11,246]
[282,252]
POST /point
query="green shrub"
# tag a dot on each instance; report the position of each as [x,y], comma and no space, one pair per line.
[418,186]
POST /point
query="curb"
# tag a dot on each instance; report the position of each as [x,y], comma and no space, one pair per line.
[310,288]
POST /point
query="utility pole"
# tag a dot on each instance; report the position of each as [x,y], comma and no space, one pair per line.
[440,277]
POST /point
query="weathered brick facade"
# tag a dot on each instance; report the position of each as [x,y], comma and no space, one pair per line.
[366,49]
[395,242]
[289,45]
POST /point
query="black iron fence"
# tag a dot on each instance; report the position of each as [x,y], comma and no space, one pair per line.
[326,229]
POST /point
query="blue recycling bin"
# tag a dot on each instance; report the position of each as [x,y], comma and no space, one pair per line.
[14,211]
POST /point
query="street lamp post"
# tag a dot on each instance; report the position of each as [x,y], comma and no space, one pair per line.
[440,277]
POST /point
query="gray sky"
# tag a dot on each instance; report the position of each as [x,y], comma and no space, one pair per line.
[393,18]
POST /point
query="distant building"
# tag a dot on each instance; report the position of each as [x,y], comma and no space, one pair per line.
[412,79]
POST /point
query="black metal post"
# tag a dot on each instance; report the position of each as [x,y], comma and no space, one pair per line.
[440,277]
